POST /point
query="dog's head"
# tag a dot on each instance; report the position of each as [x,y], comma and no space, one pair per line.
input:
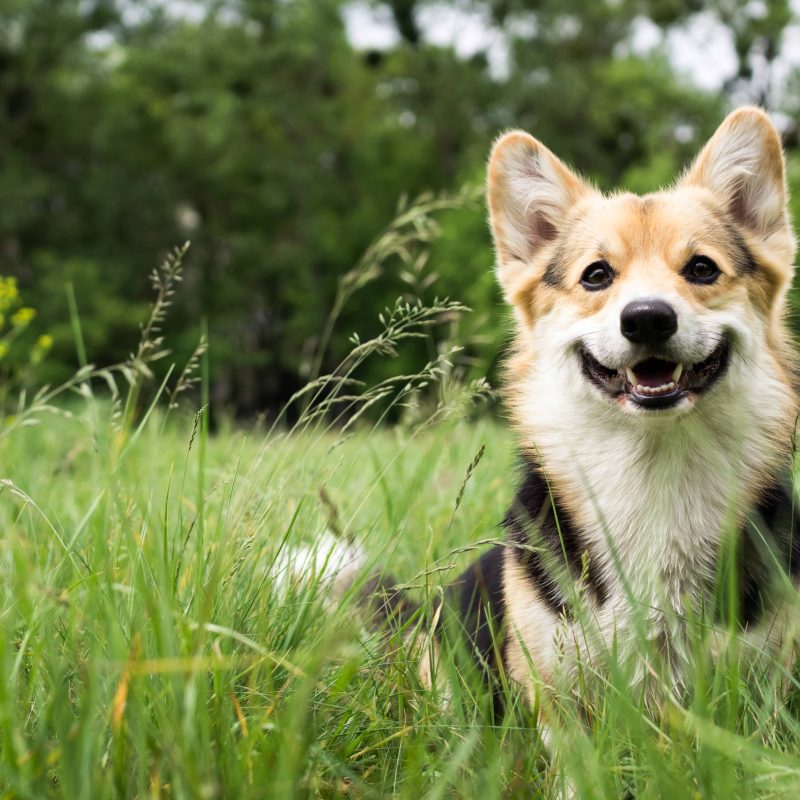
[648,304]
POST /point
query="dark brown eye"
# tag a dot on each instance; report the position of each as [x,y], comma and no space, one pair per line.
[701,269]
[597,276]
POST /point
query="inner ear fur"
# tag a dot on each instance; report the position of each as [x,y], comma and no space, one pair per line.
[530,194]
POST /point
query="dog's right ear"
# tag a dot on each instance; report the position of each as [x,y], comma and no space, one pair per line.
[530,192]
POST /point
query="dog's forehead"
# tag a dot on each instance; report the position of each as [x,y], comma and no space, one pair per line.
[653,235]
[666,225]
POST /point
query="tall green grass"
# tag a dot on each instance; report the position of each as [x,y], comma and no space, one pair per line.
[152,643]
[148,650]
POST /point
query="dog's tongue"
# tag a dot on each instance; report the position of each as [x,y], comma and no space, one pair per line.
[654,372]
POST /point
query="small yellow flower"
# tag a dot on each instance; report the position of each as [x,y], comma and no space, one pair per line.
[9,294]
[22,316]
[41,348]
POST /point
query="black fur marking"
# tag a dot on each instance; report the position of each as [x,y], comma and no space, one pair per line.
[475,615]
[545,540]
[474,606]
[770,542]
[556,271]
[743,258]
[480,601]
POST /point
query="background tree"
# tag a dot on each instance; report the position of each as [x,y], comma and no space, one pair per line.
[256,129]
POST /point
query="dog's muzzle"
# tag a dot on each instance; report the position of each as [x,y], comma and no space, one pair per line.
[656,382]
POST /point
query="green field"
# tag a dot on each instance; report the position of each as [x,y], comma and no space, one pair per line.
[329,364]
[148,651]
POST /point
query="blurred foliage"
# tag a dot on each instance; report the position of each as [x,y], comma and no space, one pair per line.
[17,355]
[256,130]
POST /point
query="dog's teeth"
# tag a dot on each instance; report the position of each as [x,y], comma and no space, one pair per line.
[631,376]
[676,376]
[665,388]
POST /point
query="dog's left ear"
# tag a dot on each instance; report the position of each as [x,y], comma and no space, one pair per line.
[743,166]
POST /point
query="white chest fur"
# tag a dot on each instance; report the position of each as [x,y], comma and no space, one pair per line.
[653,496]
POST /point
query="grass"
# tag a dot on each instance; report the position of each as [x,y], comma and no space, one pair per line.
[148,650]
[152,644]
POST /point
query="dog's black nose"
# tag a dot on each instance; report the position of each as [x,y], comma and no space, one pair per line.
[648,321]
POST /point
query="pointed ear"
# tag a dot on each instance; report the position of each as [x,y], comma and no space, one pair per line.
[530,193]
[743,166]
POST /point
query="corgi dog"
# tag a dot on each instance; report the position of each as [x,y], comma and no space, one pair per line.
[652,388]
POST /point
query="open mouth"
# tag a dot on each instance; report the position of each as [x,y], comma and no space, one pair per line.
[656,382]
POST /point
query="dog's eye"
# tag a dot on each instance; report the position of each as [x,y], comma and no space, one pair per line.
[596,276]
[701,269]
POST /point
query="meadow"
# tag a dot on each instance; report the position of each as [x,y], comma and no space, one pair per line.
[153,643]
[159,635]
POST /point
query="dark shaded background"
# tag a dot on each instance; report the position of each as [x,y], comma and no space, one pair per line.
[255,129]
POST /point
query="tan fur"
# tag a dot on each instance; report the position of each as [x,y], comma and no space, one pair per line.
[542,215]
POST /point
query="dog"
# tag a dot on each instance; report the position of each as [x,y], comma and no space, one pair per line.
[651,385]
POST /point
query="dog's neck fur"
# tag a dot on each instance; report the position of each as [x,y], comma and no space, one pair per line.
[653,497]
